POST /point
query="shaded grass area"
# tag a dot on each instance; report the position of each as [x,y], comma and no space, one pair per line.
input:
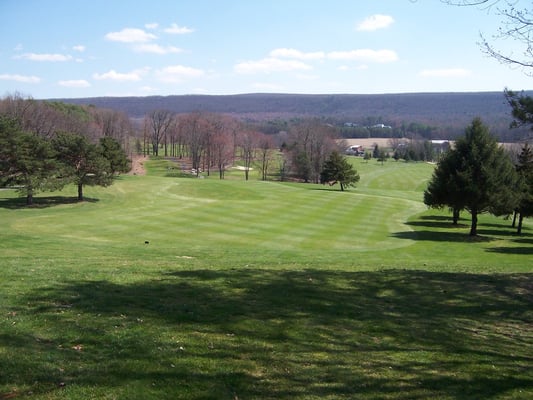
[267,334]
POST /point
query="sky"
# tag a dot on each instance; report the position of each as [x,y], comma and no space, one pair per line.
[72,49]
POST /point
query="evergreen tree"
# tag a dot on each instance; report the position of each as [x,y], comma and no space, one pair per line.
[484,173]
[525,172]
[375,152]
[522,108]
[477,175]
[337,169]
[27,161]
[114,153]
[443,189]
[84,161]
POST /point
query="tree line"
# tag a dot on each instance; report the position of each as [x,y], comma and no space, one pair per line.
[48,144]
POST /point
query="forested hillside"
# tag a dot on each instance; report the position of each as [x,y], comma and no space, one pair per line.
[447,114]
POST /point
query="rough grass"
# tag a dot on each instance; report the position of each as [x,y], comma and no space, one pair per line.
[261,290]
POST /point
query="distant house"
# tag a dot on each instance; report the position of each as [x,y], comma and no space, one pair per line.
[355,150]
[440,146]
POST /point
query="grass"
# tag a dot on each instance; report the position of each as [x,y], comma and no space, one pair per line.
[261,290]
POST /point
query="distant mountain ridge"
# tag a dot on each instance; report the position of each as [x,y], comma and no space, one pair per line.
[447,110]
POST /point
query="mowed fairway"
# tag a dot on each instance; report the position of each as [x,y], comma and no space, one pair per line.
[175,287]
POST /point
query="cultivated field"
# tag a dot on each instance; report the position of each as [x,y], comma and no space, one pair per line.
[170,287]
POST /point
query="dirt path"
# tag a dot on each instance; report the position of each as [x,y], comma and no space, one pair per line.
[137,164]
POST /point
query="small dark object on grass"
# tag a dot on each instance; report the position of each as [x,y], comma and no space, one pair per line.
[146,242]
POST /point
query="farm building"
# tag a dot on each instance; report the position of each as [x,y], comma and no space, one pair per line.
[355,150]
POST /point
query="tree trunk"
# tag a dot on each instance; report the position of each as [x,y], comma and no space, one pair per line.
[29,199]
[456,214]
[80,192]
[520,219]
[473,227]
[342,187]
[514,219]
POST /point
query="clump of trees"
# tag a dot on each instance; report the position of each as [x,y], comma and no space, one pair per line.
[478,175]
[216,142]
[413,150]
[47,145]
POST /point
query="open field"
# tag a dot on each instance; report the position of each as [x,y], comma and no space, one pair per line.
[181,288]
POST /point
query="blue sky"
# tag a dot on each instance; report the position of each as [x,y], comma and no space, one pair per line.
[68,48]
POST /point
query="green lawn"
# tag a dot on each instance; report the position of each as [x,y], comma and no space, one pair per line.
[261,290]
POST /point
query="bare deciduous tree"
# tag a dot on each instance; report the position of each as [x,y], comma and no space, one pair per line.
[248,140]
[222,143]
[265,149]
[158,122]
[517,25]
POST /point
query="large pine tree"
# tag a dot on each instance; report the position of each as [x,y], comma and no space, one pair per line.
[477,175]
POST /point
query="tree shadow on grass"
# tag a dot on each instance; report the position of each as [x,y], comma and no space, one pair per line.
[263,334]
[42,202]
[525,247]
[441,229]
[436,236]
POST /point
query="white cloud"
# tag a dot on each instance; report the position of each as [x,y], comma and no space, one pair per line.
[44,57]
[116,76]
[80,83]
[178,30]
[156,49]
[293,53]
[152,26]
[375,22]
[445,73]
[130,35]
[178,73]
[367,55]
[79,48]
[268,65]
[20,78]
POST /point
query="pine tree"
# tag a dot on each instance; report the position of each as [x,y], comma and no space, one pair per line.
[84,162]
[27,161]
[337,169]
[485,174]
[443,189]
[525,173]
[477,175]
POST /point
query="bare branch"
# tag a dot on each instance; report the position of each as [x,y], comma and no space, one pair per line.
[516,25]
